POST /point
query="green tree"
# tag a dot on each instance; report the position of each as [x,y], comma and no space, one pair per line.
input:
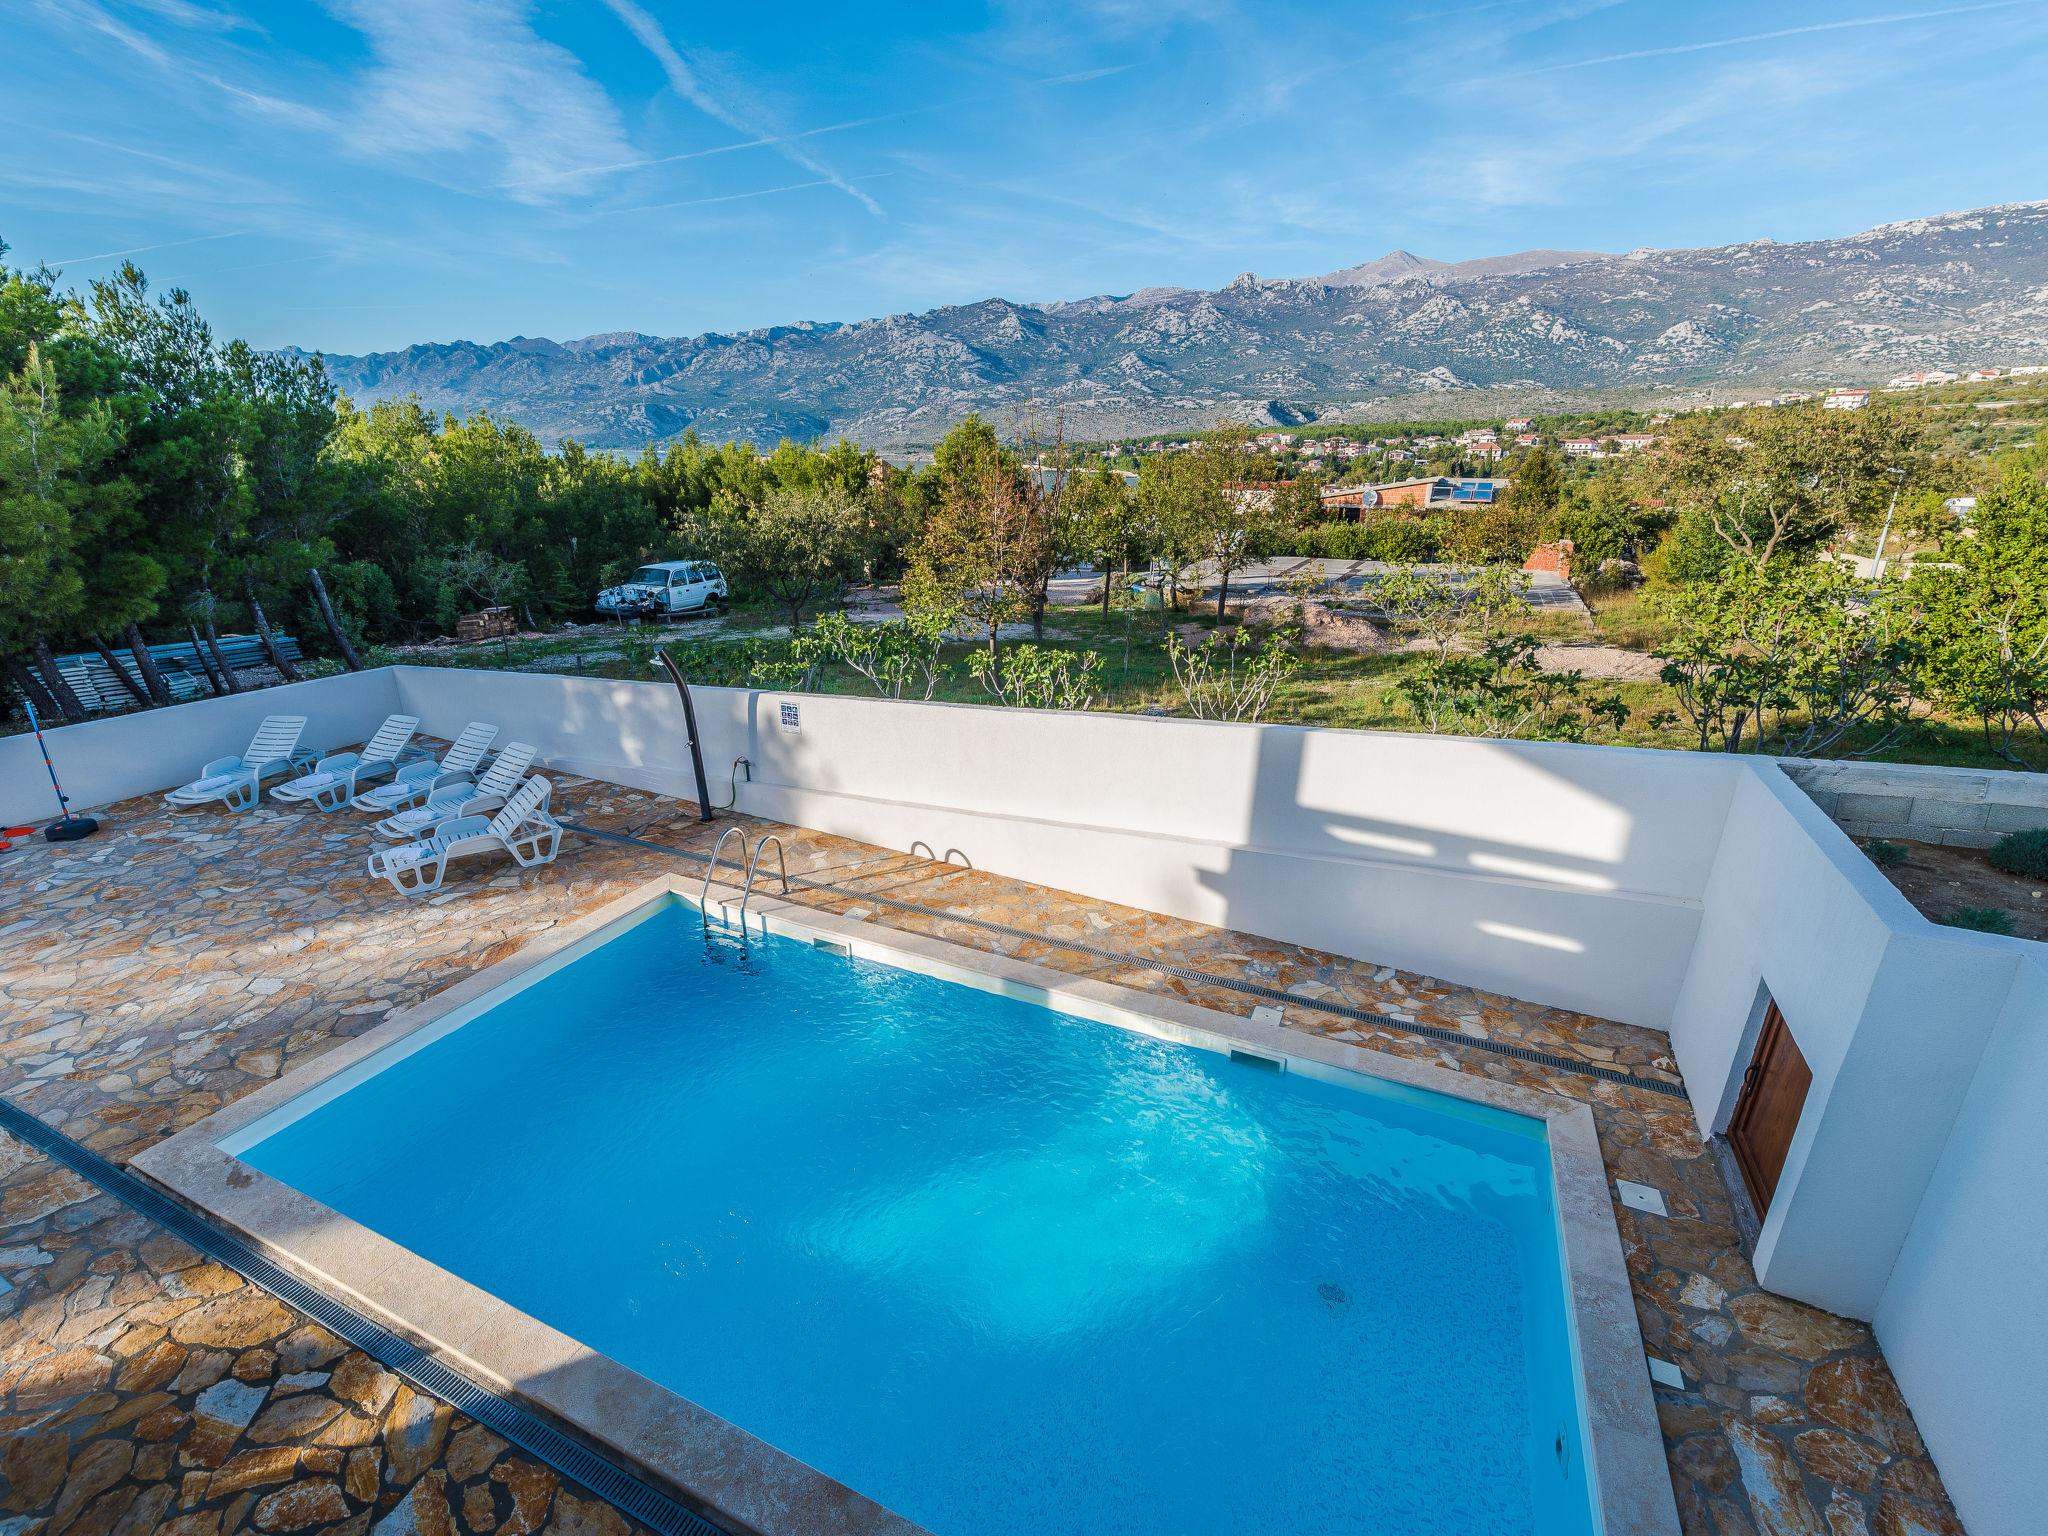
[1795,658]
[800,545]
[1783,481]
[1499,690]
[897,657]
[1537,487]
[1208,511]
[1986,607]
[985,540]
[1490,533]
[56,504]
[1110,528]
[1454,607]
[1038,677]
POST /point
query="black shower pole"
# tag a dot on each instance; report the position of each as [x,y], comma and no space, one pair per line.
[675,674]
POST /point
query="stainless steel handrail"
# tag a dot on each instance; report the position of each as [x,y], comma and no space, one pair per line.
[754,864]
[704,895]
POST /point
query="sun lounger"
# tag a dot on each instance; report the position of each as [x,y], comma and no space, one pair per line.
[523,829]
[415,781]
[337,778]
[485,795]
[235,783]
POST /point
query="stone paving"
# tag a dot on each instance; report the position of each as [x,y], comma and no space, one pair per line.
[170,964]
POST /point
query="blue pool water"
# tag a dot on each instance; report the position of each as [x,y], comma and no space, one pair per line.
[1000,1269]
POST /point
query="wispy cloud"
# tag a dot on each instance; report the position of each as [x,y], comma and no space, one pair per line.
[734,197]
[765,141]
[96,19]
[1664,137]
[1080,76]
[688,84]
[137,250]
[83,13]
[1846,24]
[202,18]
[471,78]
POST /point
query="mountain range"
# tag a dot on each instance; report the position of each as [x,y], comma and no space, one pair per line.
[1398,337]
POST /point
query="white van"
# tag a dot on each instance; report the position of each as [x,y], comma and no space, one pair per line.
[667,587]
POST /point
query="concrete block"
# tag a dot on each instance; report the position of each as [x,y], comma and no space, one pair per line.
[2020,789]
[1948,815]
[1829,800]
[1970,789]
[1867,807]
[1890,831]
[1967,839]
[2014,818]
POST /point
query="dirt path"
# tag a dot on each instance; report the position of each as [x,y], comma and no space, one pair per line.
[1603,661]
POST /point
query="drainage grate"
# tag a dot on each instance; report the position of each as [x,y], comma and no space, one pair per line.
[1201,978]
[489,1407]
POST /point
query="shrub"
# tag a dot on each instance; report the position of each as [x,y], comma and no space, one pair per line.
[1402,540]
[1885,855]
[2023,853]
[1038,677]
[1981,920]
[1225,677]
[1397,540]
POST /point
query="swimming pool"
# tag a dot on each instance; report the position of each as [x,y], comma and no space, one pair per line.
[995,1265]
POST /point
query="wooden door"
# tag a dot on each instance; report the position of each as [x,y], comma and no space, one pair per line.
[1767,1113]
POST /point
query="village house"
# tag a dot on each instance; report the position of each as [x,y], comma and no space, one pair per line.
[1845,400]
[1431,493]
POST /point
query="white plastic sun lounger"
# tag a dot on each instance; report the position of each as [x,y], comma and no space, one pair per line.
[415,781]
[523,829]
[336,778]
[487,794]
[237,782]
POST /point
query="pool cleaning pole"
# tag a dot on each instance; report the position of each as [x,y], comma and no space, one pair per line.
[67,828]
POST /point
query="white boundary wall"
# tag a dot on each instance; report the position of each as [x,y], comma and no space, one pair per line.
[1960,1320]
[1565,876]
[120,756]
[1673,890]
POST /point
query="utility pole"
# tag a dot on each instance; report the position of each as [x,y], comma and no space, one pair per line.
[1898,483]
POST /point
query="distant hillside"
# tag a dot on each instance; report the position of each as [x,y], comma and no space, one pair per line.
[1955,289]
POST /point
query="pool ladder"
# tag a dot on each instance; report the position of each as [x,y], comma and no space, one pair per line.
[751,868]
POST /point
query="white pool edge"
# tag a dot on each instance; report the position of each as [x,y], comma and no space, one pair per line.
[735,1478]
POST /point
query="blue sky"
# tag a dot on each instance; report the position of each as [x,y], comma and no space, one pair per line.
[360,174]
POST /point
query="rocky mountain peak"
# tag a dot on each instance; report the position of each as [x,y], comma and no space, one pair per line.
[1955,289]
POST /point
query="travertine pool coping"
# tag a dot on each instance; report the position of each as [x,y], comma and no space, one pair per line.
[734,1478]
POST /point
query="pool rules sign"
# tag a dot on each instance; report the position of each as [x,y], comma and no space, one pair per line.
[792,719]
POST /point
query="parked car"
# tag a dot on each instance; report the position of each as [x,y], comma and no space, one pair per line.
[666,588]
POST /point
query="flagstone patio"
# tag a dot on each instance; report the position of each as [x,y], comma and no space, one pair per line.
[157,971]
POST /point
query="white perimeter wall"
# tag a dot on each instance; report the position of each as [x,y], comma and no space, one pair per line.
[119,756]
[1890,1012]
[1961,1319]
[1666,889]
[1568,876]
[1913,1191]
